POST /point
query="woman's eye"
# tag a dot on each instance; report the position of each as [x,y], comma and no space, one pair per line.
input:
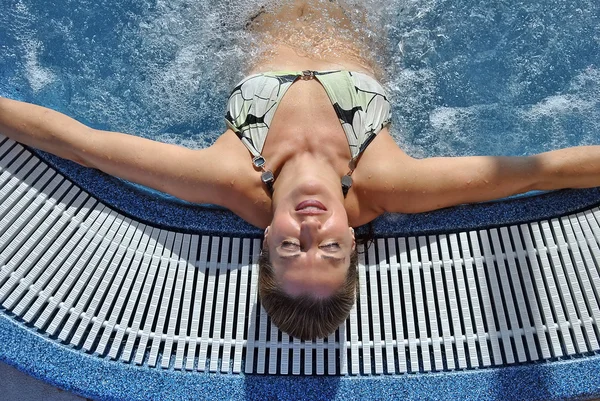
[289,245]
[331,246]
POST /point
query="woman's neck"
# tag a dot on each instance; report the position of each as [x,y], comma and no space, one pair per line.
[307,171]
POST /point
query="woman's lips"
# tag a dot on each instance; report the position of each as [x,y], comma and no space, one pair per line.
[311,207]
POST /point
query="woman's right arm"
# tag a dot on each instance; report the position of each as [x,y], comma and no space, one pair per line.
[181,172]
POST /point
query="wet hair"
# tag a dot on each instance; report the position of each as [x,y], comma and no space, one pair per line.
[306,317]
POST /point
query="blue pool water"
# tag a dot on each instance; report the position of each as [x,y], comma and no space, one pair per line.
[500,78]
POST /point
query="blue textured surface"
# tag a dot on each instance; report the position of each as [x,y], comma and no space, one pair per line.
[98,378]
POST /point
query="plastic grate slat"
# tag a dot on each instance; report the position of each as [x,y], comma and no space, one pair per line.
[408,292]
[48,283]
[95,292]
[320,359]
[261,343]
[375,317]
[417,267]
[580,282]
[232,293]
[478,346]
[193,305]
[524,327]
[273,349]
[219,305]
[560,260]
[544,322]
[457,332]
[156,276]
[397,304]
[82,272]
[364,313]
[284,365]
[86,284]
[176,313]
[507,293]
[141,293]
[557,306]
[387,317]
[353,367]
[254,310]
[459,264]
[529,298]
[166,278]
[128,298]
[208,303]
[108,288]
[488,328]
[122,283]
[243,308]
[187,285]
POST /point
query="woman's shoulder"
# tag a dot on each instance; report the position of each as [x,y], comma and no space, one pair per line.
[359,210]
[383,171]
[243,191]
[380,161]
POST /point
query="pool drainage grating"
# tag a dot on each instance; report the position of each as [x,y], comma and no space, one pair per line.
[95,280]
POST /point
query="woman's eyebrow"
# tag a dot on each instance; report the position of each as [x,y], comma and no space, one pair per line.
[325,257]
[294,256]
[336,260]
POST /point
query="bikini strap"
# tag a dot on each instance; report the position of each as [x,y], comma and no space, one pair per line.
[267,176]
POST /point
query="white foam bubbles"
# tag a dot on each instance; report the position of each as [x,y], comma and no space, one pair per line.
[449,118]
[580,98]
[37,75]
[560,105]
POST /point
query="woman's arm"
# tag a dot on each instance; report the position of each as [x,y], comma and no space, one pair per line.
[184,173]
[410,185]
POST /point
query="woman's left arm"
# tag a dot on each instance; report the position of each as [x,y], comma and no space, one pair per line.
[414,185]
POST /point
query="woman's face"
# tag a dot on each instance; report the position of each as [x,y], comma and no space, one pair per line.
[310,243]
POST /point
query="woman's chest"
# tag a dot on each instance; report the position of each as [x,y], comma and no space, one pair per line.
[306,121]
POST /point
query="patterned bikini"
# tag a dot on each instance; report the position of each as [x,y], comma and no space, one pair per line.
[359,101]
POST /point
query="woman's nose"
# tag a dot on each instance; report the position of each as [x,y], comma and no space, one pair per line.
[309,227]
[310,223]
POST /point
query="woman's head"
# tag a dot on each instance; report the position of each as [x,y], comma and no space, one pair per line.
[306,316]
[307,275]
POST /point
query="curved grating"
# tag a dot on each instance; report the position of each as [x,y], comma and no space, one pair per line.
[98,281]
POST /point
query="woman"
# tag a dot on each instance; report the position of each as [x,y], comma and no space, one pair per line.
[328,163]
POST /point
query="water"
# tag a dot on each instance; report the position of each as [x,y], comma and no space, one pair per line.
[466,77]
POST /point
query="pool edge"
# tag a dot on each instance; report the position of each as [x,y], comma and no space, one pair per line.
[207,220]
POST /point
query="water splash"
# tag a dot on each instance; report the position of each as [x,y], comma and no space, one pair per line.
[464,77]
[38,77]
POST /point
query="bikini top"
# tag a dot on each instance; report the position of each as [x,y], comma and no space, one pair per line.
[359,101]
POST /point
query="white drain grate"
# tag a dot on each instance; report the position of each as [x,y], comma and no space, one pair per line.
[91,278]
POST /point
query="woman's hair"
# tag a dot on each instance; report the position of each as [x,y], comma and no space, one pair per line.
[306,317]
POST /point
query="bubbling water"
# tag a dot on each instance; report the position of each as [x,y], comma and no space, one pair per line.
[320,29]
[464,77]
